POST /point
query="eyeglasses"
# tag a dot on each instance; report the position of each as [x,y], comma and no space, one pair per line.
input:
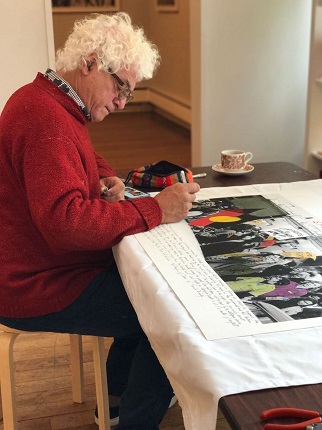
[124,90]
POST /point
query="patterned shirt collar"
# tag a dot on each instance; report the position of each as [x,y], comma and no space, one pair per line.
[64,86]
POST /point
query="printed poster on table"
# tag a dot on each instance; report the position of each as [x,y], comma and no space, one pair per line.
[259,269]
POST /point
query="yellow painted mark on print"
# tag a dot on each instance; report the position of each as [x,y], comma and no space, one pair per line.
[299,255]
[223,218]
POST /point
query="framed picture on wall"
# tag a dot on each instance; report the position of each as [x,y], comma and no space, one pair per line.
[64,6]
[167,5]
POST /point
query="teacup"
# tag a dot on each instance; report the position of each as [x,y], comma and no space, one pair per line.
[235,159]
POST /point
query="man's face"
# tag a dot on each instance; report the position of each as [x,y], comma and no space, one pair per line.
[102,92]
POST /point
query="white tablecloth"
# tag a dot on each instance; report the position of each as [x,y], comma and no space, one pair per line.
[202,371]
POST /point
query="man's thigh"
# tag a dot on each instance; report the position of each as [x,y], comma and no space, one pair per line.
[103,309]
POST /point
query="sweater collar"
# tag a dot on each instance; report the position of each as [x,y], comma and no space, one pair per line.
[67,89]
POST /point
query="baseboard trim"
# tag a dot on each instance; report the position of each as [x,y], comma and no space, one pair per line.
[164,103]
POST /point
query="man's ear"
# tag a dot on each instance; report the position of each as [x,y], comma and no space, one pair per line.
[91,61]
[87,63]
[83,66]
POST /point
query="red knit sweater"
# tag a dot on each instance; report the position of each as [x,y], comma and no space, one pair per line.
[56,231]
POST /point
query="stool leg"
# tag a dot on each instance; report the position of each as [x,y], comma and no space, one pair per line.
[99,360]
[0,405]
[77,370]
[7,381]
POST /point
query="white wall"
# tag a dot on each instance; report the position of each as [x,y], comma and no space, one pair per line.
[26,43]
[314,110]
[252,80]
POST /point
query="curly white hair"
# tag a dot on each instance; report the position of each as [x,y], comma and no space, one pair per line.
[116,43]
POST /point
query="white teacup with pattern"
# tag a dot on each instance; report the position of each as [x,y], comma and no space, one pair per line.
[235,159]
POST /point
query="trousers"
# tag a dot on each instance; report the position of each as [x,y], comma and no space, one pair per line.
[134,372]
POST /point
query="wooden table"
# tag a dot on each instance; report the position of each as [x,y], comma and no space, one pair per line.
[242,410]
[263,173]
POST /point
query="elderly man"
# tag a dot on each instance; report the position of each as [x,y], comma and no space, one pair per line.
[57,230]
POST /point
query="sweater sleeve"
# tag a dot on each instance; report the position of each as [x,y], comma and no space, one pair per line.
[61,185]
[103,168]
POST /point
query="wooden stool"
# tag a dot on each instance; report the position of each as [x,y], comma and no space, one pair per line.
[7,384]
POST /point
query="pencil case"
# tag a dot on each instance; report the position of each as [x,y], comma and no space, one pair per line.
[159,175]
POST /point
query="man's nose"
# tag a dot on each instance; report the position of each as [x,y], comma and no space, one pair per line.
[120,103]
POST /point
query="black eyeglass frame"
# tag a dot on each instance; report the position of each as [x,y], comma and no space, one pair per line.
[125,91]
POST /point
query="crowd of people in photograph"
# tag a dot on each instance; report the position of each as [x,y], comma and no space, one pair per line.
[255,264]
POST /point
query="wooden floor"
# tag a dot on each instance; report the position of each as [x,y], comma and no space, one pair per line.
[42,369]
[43,386]
[131,140]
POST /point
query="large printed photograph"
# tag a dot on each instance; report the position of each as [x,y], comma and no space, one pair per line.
[270,257]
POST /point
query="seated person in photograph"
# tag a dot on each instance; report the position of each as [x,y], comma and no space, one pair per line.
[57,230]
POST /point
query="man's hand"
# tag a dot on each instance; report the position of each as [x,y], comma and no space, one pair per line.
[112,189]
[176,200]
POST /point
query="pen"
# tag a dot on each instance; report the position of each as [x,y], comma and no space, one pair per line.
[199,175]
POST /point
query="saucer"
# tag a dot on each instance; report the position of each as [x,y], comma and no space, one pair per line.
[219,169]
